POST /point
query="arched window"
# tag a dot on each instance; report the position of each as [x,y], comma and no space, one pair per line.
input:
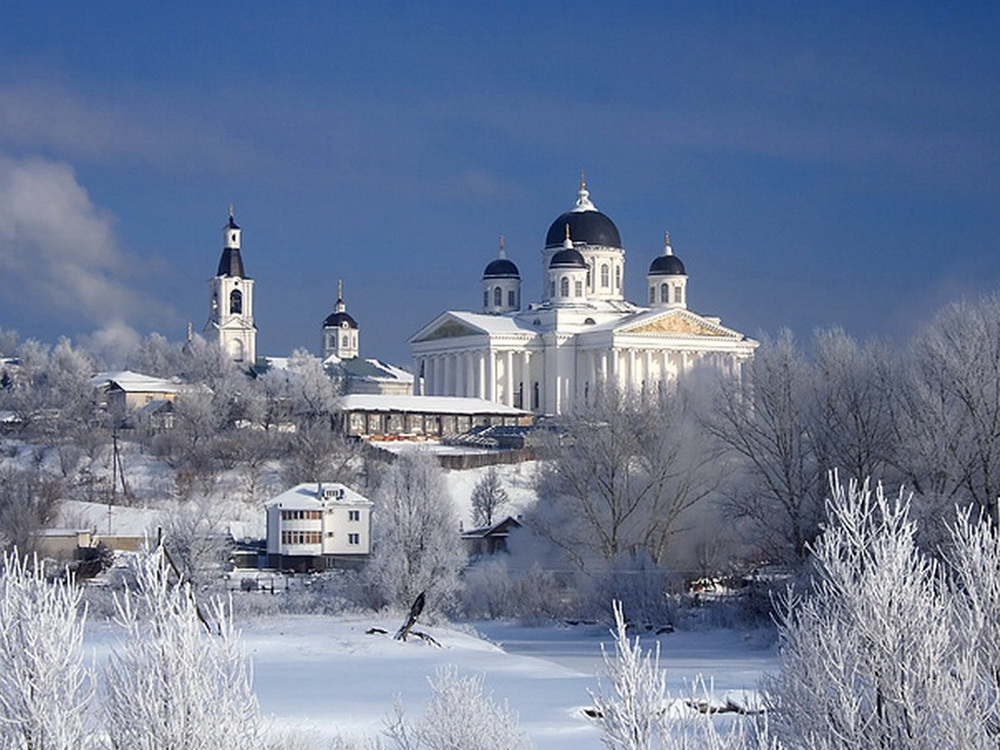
[605,275]
[564,286]
[497,297]
[618,277]
[345,342]
[236,349]
[236,302]
[511,298]
[652,294]
[578,289]
[535,396]
[678,294]
[486,298]
[552,289]
[664,293]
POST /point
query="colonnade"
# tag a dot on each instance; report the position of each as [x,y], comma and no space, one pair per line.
[523,378]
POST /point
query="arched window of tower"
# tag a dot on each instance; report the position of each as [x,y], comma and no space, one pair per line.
[236,302]
[664,293]
[497,297]
[564,286]
[605,275]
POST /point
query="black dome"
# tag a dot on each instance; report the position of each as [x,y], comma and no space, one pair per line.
[501,268]
[587,227]
[231,264]
[334,320]
[567,258]
[667,265]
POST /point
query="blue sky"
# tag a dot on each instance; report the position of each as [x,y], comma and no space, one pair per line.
[816,164]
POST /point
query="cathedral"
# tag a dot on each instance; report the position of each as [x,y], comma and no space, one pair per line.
[550,357]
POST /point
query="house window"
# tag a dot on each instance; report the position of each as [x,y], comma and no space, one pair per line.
[564,287]
[236,302]
[354,515]
[605,275]
[354,538]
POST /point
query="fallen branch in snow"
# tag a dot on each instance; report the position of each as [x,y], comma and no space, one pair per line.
[411,619]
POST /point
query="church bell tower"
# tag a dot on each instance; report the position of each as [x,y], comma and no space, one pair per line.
[230,319]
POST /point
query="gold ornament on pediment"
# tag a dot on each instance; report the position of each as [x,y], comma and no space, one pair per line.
[677,324]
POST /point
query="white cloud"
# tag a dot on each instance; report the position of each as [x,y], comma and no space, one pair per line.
[58,252]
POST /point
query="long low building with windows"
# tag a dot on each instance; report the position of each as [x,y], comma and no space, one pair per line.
[314,526]
[366,415]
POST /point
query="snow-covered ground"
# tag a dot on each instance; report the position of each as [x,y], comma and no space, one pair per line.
[325,676]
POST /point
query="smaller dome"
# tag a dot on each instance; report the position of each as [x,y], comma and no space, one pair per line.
[568,257]
[667,265]
[501,268]
[335,320]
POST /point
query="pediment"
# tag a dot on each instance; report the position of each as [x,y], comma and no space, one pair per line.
[680,324]
[450,329]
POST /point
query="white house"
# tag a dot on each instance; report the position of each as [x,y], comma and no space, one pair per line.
[318,525]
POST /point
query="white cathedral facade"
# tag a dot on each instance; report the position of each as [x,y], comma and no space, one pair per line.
[551,357]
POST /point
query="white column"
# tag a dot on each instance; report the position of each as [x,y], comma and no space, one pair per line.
[482,375]
[508,376]
[491,375]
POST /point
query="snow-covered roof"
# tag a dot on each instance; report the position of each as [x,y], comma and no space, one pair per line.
[114,520]
[306,496]
[426,405]
[134,381]
[370,369]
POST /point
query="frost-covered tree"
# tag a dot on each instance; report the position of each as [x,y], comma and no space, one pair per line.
[949,413]
[488,496]
[416,535]
[874,655]
[852,414]
[460,716]
[633,713]
[765,419]
[170,683]
[623,475]
[45,691]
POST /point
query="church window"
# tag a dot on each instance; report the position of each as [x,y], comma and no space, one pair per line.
[664,293]
[652,294]
[552,289]
[534,396]
[498,297]
[605,275]
[618,277]
[678,294]
[590,268]
[346,342]
[511,298]
[564,286]
[236,302]
[578,290]
[486,298]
